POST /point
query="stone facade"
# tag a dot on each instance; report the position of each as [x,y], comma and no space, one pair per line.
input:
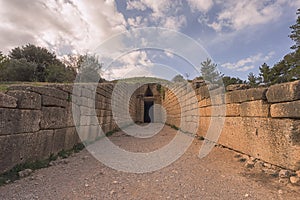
[261,122]
[36,121]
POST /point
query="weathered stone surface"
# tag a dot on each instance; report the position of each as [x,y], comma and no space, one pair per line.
[237,87]
[16,149]
[58,140]
[284,173]
[240,96]
[284,92]
[286,110]
[71,138]
[249,164]
[7,101]
[202,92]
[275,141]
[43,90]
[204,102]
[13,121]
[26,99]
[233,110]
[255,109]
[53,117]
[226,110]
[63,86]
[52,101]
[295,180]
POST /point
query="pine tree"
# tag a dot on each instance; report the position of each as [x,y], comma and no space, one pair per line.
[210,73]
[295,35]
[265,74]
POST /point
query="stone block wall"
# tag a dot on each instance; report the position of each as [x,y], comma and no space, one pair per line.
[37,121]
[261,122]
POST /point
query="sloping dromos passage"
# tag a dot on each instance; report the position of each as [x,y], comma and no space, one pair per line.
[37,121]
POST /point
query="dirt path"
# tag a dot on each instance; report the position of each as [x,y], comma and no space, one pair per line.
[217,176]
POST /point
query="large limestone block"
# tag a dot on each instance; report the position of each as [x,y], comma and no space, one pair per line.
[237,87]
[255,109]
[286,110]
[54,117]
[20,148]
[7,101]
[239,96]
[13,121]
[71,138]
[284,92]
[62,86]
[52,101]
[272,140]
[26,99]
[43,90]
[231,110]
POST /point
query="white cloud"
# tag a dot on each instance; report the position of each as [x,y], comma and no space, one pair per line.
[174,22]
[200,5]
[127,71]
[237,15]
[248,63]
[163,14]
[59,24]
[137,22]
[138,5]
[136,58]
[133,64]
[245,68]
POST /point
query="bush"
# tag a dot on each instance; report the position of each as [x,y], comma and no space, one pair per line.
[17,70]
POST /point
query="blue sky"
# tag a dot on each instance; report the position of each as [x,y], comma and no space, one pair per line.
[238,35]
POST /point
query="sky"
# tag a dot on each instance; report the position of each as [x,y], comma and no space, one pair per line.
[238,35]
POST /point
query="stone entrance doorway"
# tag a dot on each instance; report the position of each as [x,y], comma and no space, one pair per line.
[148,112]
[148,104]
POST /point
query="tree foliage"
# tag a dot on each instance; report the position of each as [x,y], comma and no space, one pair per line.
[17,70]
[209,72]
[178,78]
[89,69]
[253,80]
[33,63]
[295,33]
[227,80]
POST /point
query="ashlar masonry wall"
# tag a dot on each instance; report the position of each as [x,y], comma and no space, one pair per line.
[37,121]
[261,122]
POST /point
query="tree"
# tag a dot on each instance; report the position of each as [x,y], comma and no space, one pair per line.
[252,80]
[60,73]
[41,56]
[266,74]
[42,64]
[209,72]
[38,55]
[3,58]
[295,33]
[178,78]
[17,70]
[227,80]
[89,69]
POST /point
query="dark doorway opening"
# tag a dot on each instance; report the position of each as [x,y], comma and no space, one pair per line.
[148,113]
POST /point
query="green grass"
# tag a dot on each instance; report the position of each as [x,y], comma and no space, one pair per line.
[3,88]
[174,127]
[5,85]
